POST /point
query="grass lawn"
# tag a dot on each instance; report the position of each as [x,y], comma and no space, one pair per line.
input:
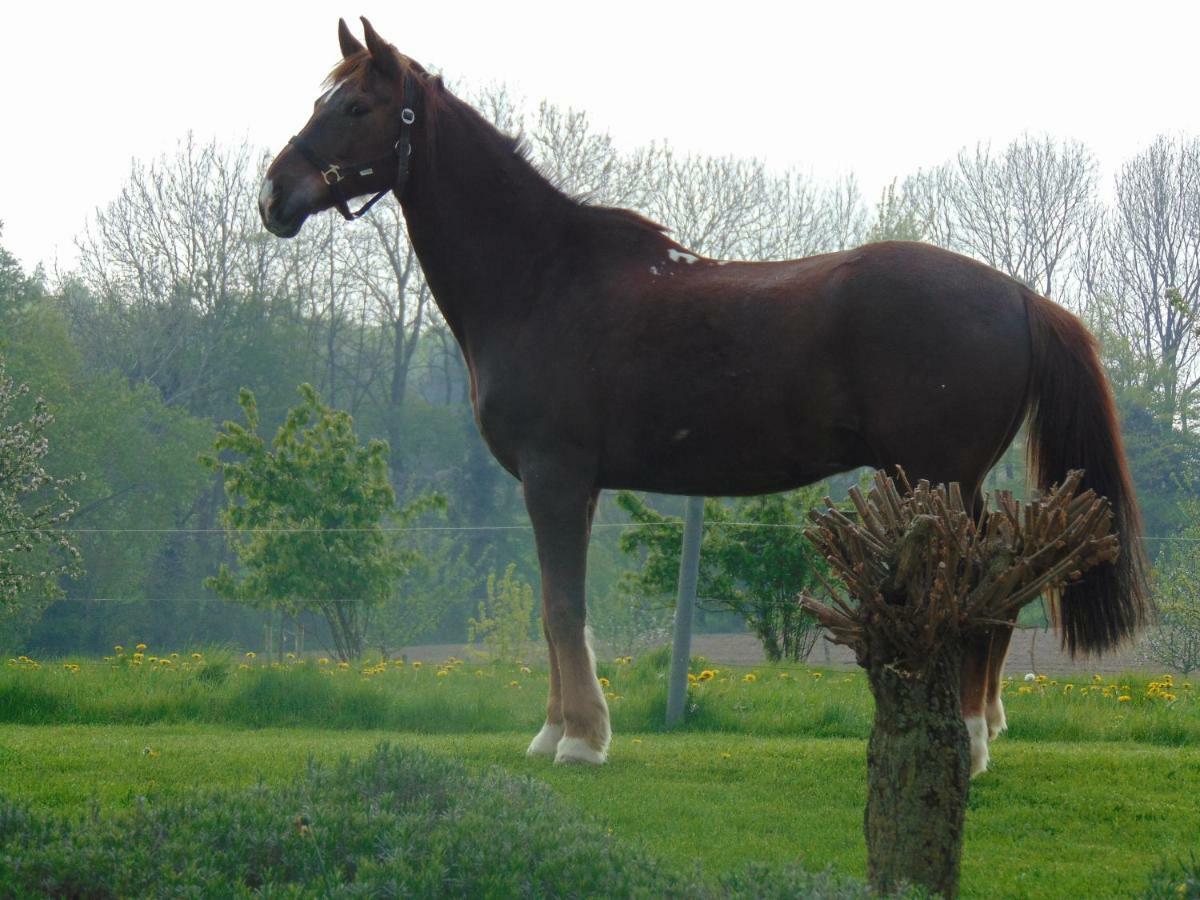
[1053,819]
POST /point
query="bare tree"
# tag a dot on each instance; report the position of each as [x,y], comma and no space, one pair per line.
[1143,269]
[1024,211]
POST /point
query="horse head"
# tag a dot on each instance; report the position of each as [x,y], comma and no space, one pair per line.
[356,142]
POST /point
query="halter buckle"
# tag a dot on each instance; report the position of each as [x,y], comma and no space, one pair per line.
[332,175]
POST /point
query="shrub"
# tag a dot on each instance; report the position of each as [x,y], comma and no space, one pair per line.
[506,619]
[398,823]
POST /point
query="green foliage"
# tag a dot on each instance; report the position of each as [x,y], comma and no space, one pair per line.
[896,217]
[1178,880]
[307,519]
[1173,640]
[754,561]
[34,505]
[400,822]
[505,622]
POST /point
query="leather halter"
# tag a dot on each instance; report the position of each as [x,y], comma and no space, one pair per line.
[334,174]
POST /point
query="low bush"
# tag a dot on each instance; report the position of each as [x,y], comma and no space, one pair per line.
[397,823]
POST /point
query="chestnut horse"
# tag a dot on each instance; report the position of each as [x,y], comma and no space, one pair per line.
[602,354]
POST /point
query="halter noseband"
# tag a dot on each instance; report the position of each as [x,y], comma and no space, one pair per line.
[334,175]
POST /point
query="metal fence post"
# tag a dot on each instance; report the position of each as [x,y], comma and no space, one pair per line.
[685,605]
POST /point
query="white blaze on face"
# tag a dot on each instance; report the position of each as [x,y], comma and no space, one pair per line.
[328,95]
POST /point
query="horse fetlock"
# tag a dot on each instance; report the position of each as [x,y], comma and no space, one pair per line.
[977,731]
[545,743]
[996,721]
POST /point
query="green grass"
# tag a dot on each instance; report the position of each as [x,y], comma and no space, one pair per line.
[470,698]
[1088,795]
[1062,820]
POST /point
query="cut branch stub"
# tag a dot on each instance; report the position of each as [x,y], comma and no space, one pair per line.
[919,563]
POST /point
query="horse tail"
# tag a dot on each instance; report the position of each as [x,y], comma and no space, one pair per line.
[1073,424]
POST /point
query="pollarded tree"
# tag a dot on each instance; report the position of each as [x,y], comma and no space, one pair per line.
[927,577]
[308,519]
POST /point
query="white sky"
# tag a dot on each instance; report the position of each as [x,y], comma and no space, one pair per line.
[879,89]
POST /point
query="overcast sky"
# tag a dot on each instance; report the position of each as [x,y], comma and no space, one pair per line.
[878,89]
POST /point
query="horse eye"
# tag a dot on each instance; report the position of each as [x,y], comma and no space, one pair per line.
[356,109]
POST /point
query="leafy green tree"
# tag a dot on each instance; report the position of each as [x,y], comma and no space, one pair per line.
[754,561]
[34,505]
[307,519]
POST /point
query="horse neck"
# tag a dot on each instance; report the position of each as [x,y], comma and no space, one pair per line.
[480,218]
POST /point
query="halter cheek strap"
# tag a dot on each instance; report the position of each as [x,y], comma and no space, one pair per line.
[334,174]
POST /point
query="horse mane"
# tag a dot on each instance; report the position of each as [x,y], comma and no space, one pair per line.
[513,150]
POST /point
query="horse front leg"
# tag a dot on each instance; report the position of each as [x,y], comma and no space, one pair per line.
[545,742]
[561,504]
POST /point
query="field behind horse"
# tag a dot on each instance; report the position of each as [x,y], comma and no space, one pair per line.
[1094,788]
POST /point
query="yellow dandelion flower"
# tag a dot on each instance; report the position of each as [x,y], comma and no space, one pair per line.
[197,657]
[416,664]
[442,673]
[749,678]
[525,670]
[1124,698]
[118,649]
[784,675]
[343,665]
[1024,689]
[140,647]
[250,654]
[164,662]
[692,678]
[816,674]
[1067,688]
[637,740]
[603,682]
[479,673]
[243,665]
[726,756]
[707,675]
[515,684]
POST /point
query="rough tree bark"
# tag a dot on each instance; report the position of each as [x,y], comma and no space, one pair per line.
[927,580]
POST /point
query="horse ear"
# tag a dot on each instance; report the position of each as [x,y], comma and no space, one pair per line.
[349,42]
[382,53]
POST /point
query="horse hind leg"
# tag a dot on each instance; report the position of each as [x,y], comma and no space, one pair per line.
[974,687]
[1001,640]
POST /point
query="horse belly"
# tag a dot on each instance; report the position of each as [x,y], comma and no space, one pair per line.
[736,446]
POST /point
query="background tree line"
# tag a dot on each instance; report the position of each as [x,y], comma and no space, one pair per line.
[179,299]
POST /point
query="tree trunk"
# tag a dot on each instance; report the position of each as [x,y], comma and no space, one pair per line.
[918,771]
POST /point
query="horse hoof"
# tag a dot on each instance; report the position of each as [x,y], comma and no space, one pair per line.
[977,730]
[546,742]
[577,750]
